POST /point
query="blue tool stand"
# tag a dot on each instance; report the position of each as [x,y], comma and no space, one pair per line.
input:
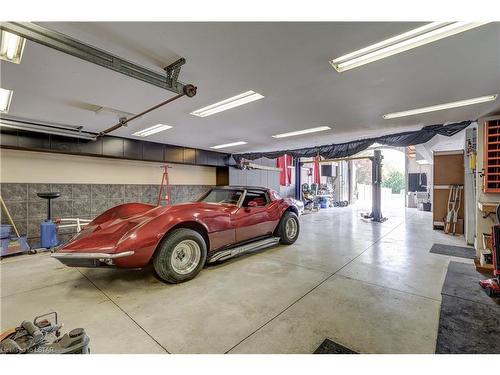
[48,229]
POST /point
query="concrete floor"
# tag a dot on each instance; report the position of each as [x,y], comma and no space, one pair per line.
[374,288]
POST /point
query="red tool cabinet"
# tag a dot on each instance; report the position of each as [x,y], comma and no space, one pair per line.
[492,156]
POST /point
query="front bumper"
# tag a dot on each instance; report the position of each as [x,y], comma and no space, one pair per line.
[89,259]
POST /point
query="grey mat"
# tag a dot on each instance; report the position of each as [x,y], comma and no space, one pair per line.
[468,327]
[469,321]
[454,251]
[462,281]
[331,347]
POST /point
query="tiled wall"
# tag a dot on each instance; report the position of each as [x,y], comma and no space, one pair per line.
[85,201]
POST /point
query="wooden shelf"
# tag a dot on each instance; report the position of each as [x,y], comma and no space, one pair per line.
[487,207]
[486,269]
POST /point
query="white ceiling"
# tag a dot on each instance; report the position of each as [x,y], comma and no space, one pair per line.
[285,62]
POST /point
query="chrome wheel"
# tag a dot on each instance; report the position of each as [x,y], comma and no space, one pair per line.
[291,228]
[185,257]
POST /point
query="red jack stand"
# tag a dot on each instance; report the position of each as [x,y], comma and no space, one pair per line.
[164,182]
[492,286]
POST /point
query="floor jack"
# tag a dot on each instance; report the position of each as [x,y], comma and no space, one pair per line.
[492,286]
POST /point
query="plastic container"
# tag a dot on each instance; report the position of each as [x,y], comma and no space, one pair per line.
[48,234]
[5,231]
[323,203]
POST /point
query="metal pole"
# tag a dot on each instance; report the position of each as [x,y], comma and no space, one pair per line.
[376,214]
[346,159]
[189,90]
[73,47]
[298,179]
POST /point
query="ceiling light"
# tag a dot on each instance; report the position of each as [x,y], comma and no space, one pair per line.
[152,130]
[45,128]
[229,103]
[440,107]
[5,98]
[412,39]
[229,145]
[300,132]
[11,47]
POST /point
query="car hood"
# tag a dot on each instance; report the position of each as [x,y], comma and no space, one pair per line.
[106,231]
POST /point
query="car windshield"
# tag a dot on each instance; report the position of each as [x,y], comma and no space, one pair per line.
[222,196]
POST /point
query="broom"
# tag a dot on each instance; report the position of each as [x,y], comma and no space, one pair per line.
[19,244]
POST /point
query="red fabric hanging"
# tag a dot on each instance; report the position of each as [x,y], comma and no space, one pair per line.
[283,162]
[317,173]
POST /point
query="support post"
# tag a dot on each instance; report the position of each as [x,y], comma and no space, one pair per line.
[298,179]
[376,214]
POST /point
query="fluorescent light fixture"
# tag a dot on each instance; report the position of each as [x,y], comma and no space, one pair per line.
[5,98]
[400,43]
[46,128]
[440,107]
[300,132]
[229,103]
[11,47]
[229,145]
[152,130]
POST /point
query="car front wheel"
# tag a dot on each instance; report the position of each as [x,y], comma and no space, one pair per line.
[288,228]
[181,256]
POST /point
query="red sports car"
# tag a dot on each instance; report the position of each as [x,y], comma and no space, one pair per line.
[180,239]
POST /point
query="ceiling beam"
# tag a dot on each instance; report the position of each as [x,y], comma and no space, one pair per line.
[73,47]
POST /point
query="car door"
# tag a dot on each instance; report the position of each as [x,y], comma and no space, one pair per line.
[252,220]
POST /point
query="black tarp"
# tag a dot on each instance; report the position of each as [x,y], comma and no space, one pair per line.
[342,150]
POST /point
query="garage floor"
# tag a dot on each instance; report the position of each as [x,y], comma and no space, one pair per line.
[373,288]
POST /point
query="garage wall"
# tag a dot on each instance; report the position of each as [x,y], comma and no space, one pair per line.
[41,167]
[256,177]
[413,167]
[88,185]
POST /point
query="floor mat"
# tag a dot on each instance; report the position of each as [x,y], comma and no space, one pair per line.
[469,321]
[454,251]
[462,281]
[331,347]
[468,327]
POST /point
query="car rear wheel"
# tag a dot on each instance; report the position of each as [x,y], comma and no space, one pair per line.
[288,228]
[181,256]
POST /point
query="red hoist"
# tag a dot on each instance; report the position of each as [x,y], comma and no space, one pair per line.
[164,183]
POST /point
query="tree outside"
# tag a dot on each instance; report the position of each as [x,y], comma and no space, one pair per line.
[395,181]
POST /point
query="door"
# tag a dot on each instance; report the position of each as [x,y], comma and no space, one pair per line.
[253,220]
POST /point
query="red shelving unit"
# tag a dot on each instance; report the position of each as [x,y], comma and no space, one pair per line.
[492,156]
